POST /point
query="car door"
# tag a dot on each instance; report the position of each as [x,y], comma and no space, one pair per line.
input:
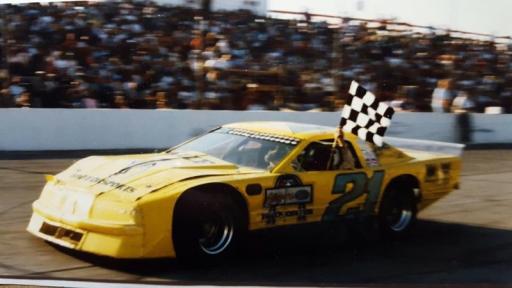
[339,190]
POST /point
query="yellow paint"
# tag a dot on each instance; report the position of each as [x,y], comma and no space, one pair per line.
[130,214]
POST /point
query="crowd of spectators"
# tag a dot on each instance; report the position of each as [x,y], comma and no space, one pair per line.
[144,55]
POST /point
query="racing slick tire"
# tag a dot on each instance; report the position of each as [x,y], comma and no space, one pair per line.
[208,227]
[397,213]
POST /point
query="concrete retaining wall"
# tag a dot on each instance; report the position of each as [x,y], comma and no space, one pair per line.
[89,129]
[491,128]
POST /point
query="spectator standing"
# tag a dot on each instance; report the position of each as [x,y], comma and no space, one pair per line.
[463,103]
[442,96]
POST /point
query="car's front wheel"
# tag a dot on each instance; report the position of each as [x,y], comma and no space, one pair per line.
[208,227]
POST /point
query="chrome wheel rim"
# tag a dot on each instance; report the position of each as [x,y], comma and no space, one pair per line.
[216,235]
[402,220]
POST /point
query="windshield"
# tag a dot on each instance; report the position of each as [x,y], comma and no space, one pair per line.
[244,149]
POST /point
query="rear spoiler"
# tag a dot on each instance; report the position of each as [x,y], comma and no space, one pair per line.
[453,149]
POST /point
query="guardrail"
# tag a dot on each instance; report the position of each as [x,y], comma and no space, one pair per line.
[104,129]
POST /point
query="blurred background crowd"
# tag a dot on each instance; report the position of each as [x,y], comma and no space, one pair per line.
[144,55]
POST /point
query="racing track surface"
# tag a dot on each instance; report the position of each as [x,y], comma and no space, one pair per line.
[464,238]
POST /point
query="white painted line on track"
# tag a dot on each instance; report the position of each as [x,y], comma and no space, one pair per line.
[82,284]
[99,284]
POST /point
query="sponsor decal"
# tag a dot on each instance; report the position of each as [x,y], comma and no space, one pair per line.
[285,196]
[438,174]
[368,154]
[110,183]
[271,216]
[288,196]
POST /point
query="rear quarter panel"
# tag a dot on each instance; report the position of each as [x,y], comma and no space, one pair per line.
[437,175]
[440,177]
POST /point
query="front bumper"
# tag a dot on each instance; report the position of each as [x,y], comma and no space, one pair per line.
[102,238]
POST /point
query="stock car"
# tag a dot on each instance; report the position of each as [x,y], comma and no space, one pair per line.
[198,200]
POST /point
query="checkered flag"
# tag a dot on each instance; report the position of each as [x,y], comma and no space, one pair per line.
[364,116]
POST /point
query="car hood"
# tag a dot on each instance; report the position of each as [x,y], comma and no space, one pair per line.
[132,176]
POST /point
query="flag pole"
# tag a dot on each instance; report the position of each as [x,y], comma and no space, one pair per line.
[337,142]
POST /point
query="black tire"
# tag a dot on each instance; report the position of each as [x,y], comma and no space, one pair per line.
[397,213]
[208,227]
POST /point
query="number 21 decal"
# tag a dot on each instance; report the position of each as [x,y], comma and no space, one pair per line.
[361,185]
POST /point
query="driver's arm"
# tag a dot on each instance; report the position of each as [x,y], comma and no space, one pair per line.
[348,160]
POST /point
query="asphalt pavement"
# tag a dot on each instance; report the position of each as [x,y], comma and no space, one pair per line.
[464,238]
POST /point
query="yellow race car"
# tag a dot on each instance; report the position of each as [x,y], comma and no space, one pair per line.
[199,199]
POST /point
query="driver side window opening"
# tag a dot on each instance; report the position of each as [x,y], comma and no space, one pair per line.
[320,156]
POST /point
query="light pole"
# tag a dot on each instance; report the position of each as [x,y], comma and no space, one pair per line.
[4,57]
[338,58]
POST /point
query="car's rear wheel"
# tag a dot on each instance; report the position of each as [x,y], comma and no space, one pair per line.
[397,213]
[208,227]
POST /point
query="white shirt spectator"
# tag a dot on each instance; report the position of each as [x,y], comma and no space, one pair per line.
[462,102]
[440,98]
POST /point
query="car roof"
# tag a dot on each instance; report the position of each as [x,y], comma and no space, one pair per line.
[288,129]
